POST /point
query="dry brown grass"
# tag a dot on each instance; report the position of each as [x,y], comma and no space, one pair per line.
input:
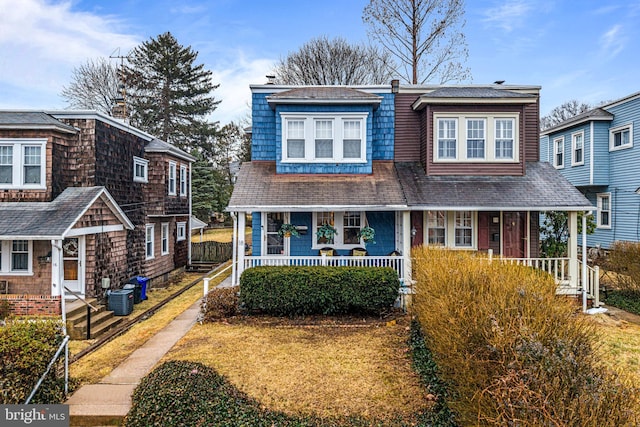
[221,235]
[94,366]
[620,345]
[325,367]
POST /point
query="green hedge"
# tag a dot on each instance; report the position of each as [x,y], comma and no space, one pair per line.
[292,291]
[26,347]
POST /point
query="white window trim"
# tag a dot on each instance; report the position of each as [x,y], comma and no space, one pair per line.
[555,153]
[137,161]
[489,134]
[149,232]
[573,148]
[18,145]
[181,231]
[338,218]
[5,263]
[183,180]
[309,136]
[599,198]
[164,239]
[617,129]
[450,230]
[171,182]
[466,138]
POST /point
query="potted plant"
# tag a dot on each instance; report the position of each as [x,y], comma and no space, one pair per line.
[367,234]
[288,230]
[326,232]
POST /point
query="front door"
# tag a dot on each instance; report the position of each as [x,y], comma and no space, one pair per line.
[514,234]
[73,262]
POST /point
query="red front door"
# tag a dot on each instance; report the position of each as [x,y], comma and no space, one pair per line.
[514,234]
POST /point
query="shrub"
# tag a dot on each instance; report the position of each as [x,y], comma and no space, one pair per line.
[5,309]
[511,351]
[295,291]
[220,303]
[624,259]
[26,347]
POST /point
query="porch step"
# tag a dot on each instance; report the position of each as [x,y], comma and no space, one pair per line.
[101,321]
[200,267]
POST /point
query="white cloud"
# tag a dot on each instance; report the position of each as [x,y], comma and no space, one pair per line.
[41,42]
[613,41]
[509,15]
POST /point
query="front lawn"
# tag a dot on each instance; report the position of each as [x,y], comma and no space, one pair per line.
[327,367]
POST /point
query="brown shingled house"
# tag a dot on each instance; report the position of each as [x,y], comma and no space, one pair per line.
[86,202]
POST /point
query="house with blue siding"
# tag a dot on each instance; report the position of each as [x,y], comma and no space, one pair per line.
[452,166]
[599,152]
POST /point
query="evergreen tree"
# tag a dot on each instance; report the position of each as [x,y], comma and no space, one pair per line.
[169,95]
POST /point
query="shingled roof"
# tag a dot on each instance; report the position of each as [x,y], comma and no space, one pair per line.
[598,114]
[323,95]
[52,220]
[542,188]
[32,120]
[260,188]
[466,94]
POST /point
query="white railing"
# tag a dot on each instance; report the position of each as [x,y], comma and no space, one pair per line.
[395,262]
[557,267]
[593,282]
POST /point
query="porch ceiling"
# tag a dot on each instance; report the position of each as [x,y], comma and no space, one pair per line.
[542,188]
[260,188]
[52,220]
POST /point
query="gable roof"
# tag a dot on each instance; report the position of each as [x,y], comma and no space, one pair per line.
[159,146]
[259,188]
[596,114]
[542,188]
[472,94]
[15,119]
[54,220]
[323,95]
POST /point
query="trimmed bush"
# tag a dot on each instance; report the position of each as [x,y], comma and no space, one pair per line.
[26,347]
[510,350]
[220,303]
[294,291]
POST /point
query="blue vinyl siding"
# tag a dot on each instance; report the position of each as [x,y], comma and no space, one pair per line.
[544,153]
[601,159]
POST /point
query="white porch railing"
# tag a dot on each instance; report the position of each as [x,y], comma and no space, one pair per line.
[395,262]
[559,269]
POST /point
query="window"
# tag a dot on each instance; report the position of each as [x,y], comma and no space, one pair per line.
[447,138]
[463,229]
[475,137]
[16,256]
[315,137]
[183,180]
[172,178]
[504,138]
[165,238]
[347,225]
[577,144]
[621,137]
[150,229]
[22,163]
[181,231]
[436,228]
[604,210]
[558,152]
[140,170]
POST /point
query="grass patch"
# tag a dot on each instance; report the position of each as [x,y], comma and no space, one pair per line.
[620,346]
[221,235]
[328,367]
[93,367]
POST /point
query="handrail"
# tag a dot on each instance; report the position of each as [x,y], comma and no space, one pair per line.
[51,362]
[75,294]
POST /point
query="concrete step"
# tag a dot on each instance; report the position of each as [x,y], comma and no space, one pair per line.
[100,323]
[75,307]
[81,316]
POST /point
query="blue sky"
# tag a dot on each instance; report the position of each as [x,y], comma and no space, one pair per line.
[586,50]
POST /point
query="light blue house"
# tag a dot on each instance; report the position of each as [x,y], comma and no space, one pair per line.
[599,152]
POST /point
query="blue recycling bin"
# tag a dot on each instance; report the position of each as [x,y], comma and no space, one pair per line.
[142,281]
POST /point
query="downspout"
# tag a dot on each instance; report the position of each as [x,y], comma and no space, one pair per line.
[234,249]
[584,261]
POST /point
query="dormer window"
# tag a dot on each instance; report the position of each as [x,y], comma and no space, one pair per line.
[22,163]
[324,138]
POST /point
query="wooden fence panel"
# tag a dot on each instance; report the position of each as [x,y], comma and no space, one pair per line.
[211,251]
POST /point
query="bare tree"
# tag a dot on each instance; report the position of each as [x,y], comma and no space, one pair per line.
[563,112]
[321,61]
[94,86]
[425,37]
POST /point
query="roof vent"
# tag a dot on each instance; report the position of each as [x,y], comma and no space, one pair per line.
[498,82]
[271,79]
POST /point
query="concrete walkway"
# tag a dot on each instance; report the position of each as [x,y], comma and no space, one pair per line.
[107,402]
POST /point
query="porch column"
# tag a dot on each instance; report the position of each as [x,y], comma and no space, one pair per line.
[241,226]
[406,246]
[584,263]
[56,268]
[234,248]
[572,249]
